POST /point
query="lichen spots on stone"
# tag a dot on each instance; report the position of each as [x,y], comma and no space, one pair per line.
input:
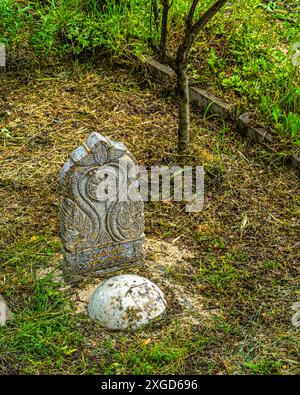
[126,302]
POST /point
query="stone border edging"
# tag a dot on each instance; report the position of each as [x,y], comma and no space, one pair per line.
[245,124]
[213,104]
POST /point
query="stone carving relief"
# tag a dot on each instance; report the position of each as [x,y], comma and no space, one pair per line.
[100,233]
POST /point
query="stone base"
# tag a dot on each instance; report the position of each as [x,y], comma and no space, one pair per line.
[103,259]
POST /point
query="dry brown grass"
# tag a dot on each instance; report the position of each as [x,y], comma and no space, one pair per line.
[249,227]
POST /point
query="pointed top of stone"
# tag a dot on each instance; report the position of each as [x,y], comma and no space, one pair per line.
[98,148]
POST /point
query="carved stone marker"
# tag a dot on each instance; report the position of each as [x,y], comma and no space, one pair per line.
[99,229]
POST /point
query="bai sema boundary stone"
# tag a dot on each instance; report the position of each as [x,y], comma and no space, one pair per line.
[99,235]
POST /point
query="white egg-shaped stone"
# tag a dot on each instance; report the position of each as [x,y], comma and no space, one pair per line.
[126,302]
[5,313]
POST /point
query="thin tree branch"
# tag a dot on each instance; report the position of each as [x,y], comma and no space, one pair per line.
[192,31]
[206,17]
[190,17]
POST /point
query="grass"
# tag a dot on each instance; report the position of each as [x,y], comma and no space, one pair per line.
[58,28]
[43,333]
[245,243]
[245,54]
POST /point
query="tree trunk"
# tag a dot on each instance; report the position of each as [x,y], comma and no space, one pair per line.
[164,31]
[190,33]
[183,107]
